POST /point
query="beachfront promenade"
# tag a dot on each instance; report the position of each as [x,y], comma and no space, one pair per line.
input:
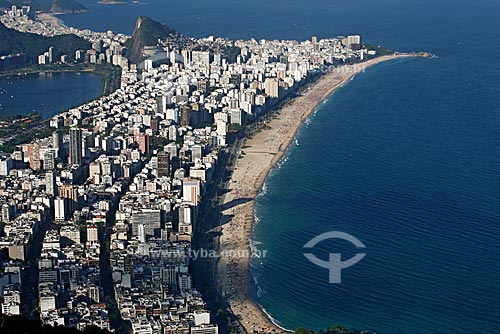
[262,152]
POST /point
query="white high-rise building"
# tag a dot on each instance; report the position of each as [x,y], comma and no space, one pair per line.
[184,281]
[47,302]
[353,40]
[92,233]
[6,165]
[186,219]
[201,318]
[59,209]
[271,87]
[94,293]
[11,308]
[141,233]
[50,183]
[191,191]
[42,60]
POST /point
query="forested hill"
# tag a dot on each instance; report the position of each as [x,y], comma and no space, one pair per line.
[147,33]
[67,7]
[33,45]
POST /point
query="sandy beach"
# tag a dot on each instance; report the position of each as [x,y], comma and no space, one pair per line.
[51,20]
[261,153]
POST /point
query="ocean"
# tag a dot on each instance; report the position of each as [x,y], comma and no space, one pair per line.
[405,158]
[48,94]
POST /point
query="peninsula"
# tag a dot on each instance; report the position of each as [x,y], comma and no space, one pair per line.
[143,199]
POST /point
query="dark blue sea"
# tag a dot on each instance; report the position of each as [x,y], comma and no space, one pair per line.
[47,94]
[406,158]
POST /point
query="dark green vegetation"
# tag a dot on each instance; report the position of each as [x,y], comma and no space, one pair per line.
[233,127]
[231,53]
[67,7]
[146,33]
[381,51]
[32,45]
[22,325]
[17,130]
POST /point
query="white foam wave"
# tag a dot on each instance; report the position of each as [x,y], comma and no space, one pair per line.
[263,190]
[260,292]
[274,321]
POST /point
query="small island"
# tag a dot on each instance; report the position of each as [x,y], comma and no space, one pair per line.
[115,2]
[67,7]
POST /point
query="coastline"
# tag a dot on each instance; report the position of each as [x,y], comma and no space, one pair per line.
[262,152]
[51,19]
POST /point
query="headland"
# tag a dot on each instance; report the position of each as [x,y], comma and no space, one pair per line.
[267,79]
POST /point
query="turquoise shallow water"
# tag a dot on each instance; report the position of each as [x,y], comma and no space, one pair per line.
[47,94]
[405,158]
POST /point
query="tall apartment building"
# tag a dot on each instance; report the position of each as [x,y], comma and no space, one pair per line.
[75,146]
[163,164]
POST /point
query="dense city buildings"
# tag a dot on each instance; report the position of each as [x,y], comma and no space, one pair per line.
[133,168]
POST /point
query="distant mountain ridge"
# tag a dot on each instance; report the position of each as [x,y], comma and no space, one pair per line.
[57,7]
[33,45]
[67,7]
[19,3]
[147,33]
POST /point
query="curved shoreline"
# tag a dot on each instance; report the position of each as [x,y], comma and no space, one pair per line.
[104,71]
[262,152]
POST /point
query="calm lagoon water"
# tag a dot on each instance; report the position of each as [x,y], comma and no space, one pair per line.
[47,94]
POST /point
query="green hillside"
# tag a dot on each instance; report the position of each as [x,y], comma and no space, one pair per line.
[32,45]
[67,7]
[146,33]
